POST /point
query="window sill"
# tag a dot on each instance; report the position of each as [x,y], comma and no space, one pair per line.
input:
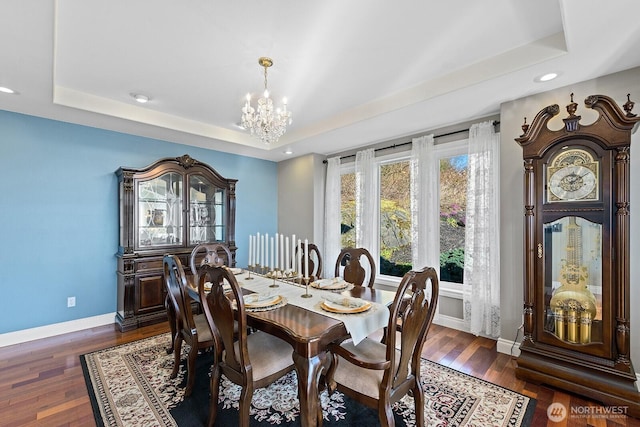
[447,289]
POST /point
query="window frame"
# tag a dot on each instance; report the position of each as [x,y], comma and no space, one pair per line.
[441,151]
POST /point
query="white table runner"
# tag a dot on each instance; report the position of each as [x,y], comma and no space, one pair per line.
[359,325]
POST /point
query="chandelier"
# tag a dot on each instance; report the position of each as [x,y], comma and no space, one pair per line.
[263,122]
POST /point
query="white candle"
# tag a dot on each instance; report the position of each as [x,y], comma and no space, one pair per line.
[271,255]
[266,250]
[277,265]
[262,250]
[299,258]
[306,258]
[287,260]
[255,249]
[250,249]
[293,253]
[281,262]
[258,249]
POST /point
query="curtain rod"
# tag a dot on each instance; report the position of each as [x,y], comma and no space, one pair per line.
[495,123]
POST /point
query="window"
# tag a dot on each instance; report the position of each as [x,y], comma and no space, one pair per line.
[394,226]
[453,203]
[395,218]
[348,209]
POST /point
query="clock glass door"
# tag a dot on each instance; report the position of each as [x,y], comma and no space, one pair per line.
[573,280]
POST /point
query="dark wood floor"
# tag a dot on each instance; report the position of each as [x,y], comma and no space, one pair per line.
[41,382]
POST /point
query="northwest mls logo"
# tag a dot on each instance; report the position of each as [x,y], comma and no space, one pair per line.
[556,412]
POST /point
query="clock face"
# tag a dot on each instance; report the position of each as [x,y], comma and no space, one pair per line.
[572,183]
[573,176]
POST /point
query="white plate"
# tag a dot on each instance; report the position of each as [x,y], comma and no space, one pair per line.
[341,308]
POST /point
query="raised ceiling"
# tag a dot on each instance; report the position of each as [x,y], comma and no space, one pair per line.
[355,72]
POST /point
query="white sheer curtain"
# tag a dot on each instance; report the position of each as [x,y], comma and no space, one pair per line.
[424,212]
[366,200]
[481,287]
[332,213]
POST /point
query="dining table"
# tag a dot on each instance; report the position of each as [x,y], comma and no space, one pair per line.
[307,325]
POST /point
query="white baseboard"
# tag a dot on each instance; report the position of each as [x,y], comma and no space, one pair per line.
[40,332]
[508,347]
[450,322]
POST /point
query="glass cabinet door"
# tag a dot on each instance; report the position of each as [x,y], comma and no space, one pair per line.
[159,211]
[207,209]
[573,280]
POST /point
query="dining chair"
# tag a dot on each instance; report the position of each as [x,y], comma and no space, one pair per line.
[315,260]
[190,328]
[251,361]
[378,374]
[211,256]
[212,252]
[349,266]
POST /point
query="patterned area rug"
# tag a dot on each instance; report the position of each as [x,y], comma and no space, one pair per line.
[129,386]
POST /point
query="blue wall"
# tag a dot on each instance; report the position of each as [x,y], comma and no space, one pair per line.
[59,213]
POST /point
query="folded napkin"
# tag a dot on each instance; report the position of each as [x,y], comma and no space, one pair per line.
[345,301]
[335,283]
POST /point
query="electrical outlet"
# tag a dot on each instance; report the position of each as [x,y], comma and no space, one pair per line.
[71,301]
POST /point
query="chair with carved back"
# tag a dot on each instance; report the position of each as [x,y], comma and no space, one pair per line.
[192,329]
[251,361]
[315,260]
[212,252]
[349,267]
[211,256]
[379,374]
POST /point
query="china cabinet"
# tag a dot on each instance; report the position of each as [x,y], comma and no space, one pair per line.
[169,206]
[577,279]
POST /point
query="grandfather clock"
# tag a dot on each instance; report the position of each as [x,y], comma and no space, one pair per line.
[576,284]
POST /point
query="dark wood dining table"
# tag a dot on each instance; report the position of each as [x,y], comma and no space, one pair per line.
[309,333]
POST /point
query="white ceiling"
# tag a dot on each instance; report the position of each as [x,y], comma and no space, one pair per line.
[355,72]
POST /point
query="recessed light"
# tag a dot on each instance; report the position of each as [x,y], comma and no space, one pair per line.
[142,99]
[5,89]
[288,151]
[546,77]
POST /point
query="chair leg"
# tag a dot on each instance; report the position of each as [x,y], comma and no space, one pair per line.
[386,415]
[177,350]
[191,369]
[418,400]
[213,402]
[245,405]
[330,382]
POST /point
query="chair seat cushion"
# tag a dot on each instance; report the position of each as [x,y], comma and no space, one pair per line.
[266,352]
[361,380]
[204,333]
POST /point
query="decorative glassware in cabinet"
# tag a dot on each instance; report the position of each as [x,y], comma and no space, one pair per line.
[206,211]
[159,208]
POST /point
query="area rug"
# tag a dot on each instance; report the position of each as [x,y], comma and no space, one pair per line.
[129,386]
